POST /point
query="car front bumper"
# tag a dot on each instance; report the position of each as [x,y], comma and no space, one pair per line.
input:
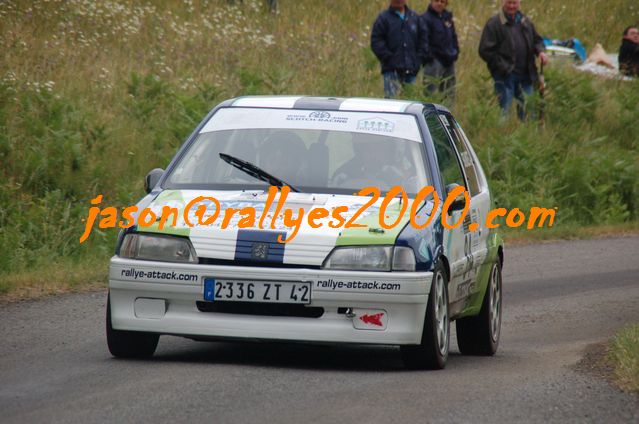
[161,297]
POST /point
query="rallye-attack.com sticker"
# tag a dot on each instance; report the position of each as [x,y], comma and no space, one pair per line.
[350,285]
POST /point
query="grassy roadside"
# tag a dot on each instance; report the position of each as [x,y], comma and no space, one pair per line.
[63,276]
[515,236]
[624,355]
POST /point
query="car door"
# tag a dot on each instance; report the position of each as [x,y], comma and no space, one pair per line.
[457,241]
[474,224]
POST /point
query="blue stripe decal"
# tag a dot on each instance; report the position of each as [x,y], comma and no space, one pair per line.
[260,246]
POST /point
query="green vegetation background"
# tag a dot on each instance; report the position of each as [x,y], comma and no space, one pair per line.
[95,93]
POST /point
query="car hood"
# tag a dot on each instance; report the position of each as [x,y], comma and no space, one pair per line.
[309,246]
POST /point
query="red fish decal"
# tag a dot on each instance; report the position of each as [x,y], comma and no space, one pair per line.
[375,319]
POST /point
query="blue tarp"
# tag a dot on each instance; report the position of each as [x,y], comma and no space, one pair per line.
[571,43]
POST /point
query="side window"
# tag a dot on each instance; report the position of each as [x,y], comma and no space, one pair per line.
[481,178]
[466,159]
[448,164]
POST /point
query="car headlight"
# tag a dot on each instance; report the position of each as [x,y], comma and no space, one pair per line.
[157,248]
[371,258]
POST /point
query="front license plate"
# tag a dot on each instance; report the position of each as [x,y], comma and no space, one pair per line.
[256,291]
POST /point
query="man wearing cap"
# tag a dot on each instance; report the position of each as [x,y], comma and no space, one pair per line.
[400,41]
[509,45]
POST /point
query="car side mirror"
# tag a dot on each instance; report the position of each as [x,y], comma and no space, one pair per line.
[152,178]
[460,201]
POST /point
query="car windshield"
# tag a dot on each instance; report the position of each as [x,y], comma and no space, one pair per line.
[309,159]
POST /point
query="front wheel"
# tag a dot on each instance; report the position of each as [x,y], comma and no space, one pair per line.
[129,344]
[479,335]
[432,352]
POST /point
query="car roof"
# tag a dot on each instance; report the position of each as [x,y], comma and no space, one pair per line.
[350,104]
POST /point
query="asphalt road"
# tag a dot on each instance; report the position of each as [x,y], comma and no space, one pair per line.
[558,299]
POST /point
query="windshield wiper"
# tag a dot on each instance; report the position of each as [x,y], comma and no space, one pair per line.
[255,171]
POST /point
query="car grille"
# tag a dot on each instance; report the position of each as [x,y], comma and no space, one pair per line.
[211,261]
[262,309]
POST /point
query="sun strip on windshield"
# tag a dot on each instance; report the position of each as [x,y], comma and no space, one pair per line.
[402,126]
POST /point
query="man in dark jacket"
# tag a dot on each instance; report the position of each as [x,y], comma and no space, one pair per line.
[400,42]
[629,52]
[509,44]
[439,68]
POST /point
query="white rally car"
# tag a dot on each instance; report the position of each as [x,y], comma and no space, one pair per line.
[210,275]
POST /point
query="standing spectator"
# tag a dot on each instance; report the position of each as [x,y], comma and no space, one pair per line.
[439,69]
[400,42]
[509,44]
[629,52]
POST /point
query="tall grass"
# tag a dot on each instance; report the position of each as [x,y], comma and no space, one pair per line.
[624,355]
[93,94]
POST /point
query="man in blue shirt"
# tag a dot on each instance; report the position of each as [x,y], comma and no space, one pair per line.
[400,41]
[439,68]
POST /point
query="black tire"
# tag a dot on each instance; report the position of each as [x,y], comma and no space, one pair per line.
[432,353]
[129,344]
[479,335]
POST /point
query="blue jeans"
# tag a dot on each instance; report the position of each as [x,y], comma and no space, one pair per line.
[393,82]
[440,78]
[513,86]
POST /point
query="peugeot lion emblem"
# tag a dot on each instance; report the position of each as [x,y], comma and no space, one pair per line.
[259,251]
